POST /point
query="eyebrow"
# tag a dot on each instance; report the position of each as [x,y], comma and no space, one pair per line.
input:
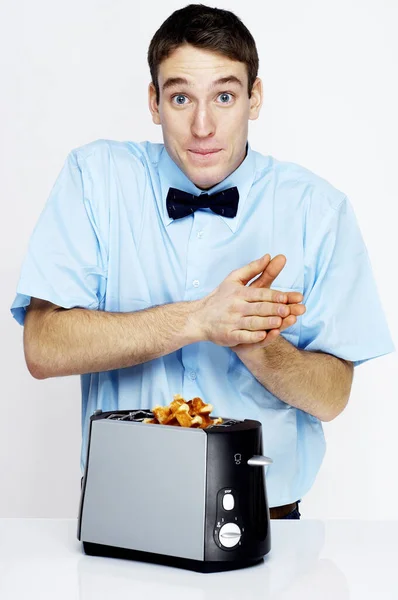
[176,81]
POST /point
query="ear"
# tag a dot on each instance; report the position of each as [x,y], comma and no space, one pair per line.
[256,99]
[153,106]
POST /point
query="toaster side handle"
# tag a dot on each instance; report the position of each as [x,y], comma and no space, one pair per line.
[259,461]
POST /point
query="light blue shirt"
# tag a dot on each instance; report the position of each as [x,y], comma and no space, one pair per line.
[104,241]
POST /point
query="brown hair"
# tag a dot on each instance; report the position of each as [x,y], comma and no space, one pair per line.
[208,28]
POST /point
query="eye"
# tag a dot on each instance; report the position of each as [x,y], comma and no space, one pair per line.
[226,98]
[179,99]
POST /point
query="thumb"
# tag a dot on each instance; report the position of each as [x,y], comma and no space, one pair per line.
[246,273]
[271,272]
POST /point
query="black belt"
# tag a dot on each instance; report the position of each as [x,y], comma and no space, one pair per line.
[279,512]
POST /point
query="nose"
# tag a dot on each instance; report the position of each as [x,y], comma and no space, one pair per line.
[203,124]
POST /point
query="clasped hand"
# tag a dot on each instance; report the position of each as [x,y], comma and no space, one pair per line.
[236,314]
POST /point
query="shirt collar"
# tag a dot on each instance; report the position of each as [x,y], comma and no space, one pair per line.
[172,176]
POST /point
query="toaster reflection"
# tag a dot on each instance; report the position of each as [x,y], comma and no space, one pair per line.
[292,569]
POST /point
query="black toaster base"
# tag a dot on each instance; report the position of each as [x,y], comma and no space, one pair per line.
[171,561]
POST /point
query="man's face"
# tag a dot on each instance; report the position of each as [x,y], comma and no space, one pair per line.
[204,111]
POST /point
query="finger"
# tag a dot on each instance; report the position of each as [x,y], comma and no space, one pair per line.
[242,336]
[296,309]
[288,322]
[246,273]
[250,294]
[271,272]
[266,309]
[271,337]
[294,297]
[253,294]
[260,323]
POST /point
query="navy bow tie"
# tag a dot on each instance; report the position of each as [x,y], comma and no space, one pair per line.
[181,204]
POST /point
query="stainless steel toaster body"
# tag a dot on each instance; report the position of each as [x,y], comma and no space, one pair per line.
[160,492]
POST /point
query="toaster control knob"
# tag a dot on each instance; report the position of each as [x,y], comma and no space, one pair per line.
[229,535]
[228,502]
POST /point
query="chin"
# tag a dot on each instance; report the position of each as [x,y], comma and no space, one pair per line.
[205,182]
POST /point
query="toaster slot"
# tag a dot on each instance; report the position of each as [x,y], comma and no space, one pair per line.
[131,415]
[139,414]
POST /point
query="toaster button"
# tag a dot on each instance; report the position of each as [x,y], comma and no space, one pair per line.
[228,502]
[229,535]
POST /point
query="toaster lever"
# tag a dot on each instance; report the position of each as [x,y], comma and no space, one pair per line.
[259,461]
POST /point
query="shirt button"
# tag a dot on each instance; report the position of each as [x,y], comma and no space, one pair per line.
[192,375]
[195,283]
[200,234]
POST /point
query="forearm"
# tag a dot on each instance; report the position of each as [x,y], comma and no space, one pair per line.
[315,382]
[77,341]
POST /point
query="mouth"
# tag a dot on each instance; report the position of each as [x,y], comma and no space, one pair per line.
[204,153]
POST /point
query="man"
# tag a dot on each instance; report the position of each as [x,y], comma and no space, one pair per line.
[149,272]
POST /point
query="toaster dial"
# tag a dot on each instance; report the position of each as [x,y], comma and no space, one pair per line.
[229,535]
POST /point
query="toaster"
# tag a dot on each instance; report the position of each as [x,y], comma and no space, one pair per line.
[186,497]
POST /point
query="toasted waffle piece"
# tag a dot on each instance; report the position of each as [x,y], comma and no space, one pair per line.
[177,402]
[194,413]
[171,419]
[185,419]
[206,421]
[198,407]
[161,413]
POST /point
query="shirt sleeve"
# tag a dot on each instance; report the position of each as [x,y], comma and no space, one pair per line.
[65,262]
[344,316]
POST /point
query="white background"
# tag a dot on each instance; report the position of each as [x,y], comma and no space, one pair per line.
[74,71]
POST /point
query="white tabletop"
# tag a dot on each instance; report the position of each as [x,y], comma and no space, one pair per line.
[311,560]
